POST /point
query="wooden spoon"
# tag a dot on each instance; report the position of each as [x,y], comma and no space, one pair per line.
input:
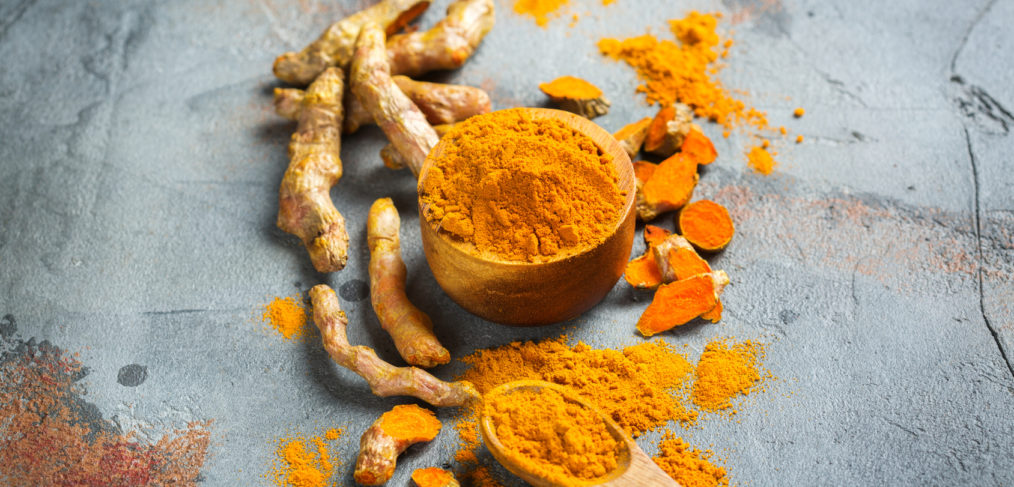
[635,468]
[534,293]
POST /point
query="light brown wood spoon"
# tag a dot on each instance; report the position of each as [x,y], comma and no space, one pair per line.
[635,469]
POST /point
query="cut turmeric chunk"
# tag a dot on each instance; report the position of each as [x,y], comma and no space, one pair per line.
[669,188]
[576,95]
[667,130]
[698,147]
[655,235]
[677,303]
[631,136]
[715,315]
[643,272]
[707,225]
[643,170]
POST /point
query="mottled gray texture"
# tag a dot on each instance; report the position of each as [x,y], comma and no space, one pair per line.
[140,160]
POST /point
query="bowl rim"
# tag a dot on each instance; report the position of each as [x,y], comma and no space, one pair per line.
[603,138]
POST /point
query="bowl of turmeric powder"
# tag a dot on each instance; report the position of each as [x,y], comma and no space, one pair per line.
[527,214]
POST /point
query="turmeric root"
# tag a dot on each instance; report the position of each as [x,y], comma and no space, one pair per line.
[679,302]
[335,46]
[707,225]
[677,260]
[390,435]
[447,45]
[577,96]
[384,379]
[643,272]
[631,137]
[655,235]
[403,123]
[668,128]
[304,201]
[442,104]
[669,186]
[394,160]
[434,477]
[409,327]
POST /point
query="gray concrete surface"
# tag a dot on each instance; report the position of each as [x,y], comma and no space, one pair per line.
[140,158]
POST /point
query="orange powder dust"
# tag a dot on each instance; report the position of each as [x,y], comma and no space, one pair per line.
[688,467]
[333,434]
[521,188]
[541,10]
[685,71]
[287,316]
[302,462]
[761,160]
[725,371]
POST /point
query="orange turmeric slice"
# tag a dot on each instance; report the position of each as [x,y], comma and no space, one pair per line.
[679,302]
[631,136]
[707,225]
[655,235]
[667,130]
[715,315]
[698,147]
[576,95]
[669,188]
[643,272]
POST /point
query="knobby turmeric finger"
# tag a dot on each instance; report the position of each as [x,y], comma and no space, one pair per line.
[577,96]
[394,160]
[384,379]
[631,136]
[409,327]
[698,147]
[400,119]
[434,477]
[447,45]
[335,46]
[669,188]
[707,225]
[668,128]
[390,435]
[304,200]
[441,103]
[679,302]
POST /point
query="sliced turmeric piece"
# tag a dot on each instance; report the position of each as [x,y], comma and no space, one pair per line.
[388,436]
[655,235]
[698,147]
[715,315]
[434,477]
[576,95]
[707,225]
[679,302]
[667,130]
[643,272]
[631,136]
[669,188]
[643,170]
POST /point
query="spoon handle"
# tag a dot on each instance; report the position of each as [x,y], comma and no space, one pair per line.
[642,472]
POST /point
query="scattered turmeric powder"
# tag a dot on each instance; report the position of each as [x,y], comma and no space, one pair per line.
[688,467]
[707,225]
[726,370]
[304,462]
[480,190]
[631,136]
[552,434]
[434,477]
[761,160]
[798,112]
[576,95]
[541,10]
[409,327]
[388,436]
[287,316]
[799,139]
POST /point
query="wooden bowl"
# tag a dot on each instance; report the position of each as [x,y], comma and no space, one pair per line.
[535,293]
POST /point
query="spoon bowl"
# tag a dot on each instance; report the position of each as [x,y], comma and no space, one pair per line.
[534,293]
[634,467]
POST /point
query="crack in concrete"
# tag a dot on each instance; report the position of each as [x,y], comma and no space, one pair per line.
[968,33]
[19,11]
[978,240]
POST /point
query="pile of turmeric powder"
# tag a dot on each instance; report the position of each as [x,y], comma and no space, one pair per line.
[480,190]
[286,315]
[305,462]
[688,467]
[642,388]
